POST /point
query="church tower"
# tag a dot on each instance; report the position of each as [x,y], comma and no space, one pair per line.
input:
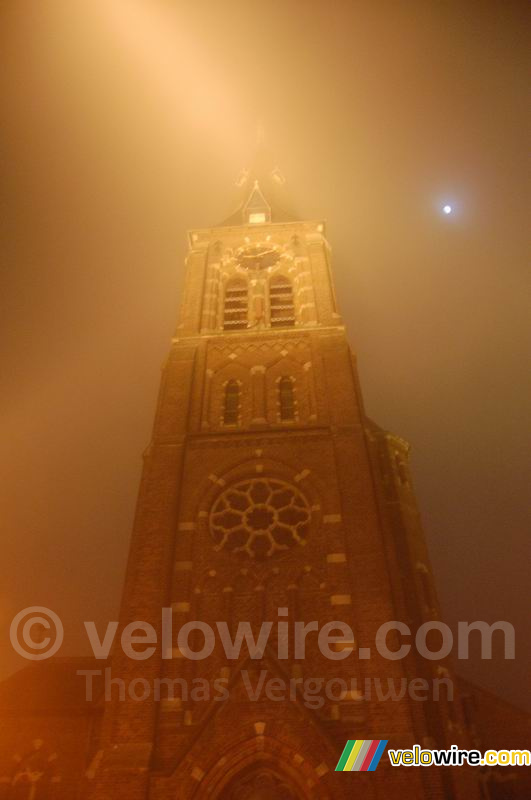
[268,495]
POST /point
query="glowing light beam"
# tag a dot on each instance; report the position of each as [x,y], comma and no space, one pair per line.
[190,84]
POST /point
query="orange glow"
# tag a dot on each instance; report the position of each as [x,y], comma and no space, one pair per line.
[176,66]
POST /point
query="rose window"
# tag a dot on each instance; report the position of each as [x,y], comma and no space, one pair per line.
[260,517]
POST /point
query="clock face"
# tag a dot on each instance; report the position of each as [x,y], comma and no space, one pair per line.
[257,257]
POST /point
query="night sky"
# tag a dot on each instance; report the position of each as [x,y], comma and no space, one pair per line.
[125,123]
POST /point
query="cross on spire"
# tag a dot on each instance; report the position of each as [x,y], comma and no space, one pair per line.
[261,184]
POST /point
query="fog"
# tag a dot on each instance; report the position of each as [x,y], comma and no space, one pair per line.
[126,123]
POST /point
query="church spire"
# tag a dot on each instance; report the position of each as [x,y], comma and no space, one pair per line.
[262,189]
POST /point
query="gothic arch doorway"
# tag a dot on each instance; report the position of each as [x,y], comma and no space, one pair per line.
[262,768]
[260,783]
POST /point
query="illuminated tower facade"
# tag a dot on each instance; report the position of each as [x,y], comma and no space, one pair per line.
[269,496]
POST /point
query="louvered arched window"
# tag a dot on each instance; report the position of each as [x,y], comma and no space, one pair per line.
[236,304]
[286,398]
[231,403]
[281,308]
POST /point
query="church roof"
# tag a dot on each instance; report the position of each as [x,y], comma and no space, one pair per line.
[51,686]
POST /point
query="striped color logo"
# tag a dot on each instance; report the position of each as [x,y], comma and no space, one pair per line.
[361,755]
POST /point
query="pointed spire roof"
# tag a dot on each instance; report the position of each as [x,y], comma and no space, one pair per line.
[263,196]
[256,200]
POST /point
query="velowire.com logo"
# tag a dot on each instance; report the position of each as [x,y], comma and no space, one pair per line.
[361,755]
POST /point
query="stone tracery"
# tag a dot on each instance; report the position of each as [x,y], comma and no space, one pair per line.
[260,517]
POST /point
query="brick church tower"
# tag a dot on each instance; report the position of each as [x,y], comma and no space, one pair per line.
[269,496]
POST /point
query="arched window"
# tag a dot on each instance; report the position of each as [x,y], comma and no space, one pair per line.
[231,403]
[281,308]
[286,398]
[236,302]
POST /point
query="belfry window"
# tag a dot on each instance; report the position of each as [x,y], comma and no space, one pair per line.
[281,308]
[231,403]
[236,303]
[286,398]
